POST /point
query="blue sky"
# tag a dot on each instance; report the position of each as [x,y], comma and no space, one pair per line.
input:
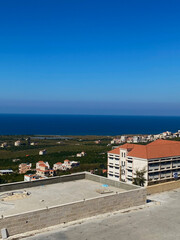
[90,57]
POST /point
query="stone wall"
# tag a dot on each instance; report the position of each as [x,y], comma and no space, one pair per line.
[69,212]
[162,187]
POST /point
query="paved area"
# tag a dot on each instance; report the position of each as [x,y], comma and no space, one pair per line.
[53,195]
[157,220]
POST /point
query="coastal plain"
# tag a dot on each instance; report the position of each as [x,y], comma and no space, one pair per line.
[58,148]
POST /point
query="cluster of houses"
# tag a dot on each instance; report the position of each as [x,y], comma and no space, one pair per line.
[17,143]
[145,138]
[43,169]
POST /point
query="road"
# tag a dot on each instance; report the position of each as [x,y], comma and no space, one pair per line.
[159,219]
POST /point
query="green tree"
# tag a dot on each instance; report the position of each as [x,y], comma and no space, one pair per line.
[139,179]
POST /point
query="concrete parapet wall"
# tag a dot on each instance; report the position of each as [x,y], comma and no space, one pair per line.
[36,183]
[66,178]
[43,218]
[110,182]
[162,187]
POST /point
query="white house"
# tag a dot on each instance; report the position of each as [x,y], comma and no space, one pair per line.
[82,154]
[17,143]
[42,152]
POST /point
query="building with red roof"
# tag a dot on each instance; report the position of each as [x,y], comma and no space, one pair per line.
[43,169]
[66,165]
[24,167]
[160,159]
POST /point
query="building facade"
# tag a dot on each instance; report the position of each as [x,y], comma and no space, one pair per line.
[43,169]
[160,159]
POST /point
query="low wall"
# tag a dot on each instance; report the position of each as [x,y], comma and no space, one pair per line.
[43,218]
[110,182]
[65,178]
[36,183]
[162,187]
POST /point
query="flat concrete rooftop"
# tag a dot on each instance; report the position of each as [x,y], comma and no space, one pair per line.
[52,195]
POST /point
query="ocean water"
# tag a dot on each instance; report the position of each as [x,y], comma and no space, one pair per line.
[15,124]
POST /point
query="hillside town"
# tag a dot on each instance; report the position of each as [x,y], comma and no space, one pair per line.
[145,138]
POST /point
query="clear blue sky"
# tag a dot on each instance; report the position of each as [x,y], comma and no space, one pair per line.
[90,57]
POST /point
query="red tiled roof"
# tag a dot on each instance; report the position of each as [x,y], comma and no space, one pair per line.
[125,146]
[42,165]
[157,149]
[66,160]
[50,170]
[161,141]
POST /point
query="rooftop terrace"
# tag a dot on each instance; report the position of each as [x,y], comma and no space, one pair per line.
[51,195]
[27,206]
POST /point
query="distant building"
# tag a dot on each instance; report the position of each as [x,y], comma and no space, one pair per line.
[8,171]
[4,145]
[42,152]
[32,177]
[82,154]
[123,139]
[129,139]
[17,143]
[136,139]
[57,166]
[24,167]
[16,160]
[66,165]
[116,141]
[33,144]
[43,169]
[150,138]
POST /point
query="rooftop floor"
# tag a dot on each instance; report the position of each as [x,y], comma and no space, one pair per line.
[52,195]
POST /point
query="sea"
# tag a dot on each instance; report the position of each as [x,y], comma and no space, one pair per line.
[105,125]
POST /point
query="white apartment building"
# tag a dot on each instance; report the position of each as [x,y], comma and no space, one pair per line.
[160,159]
